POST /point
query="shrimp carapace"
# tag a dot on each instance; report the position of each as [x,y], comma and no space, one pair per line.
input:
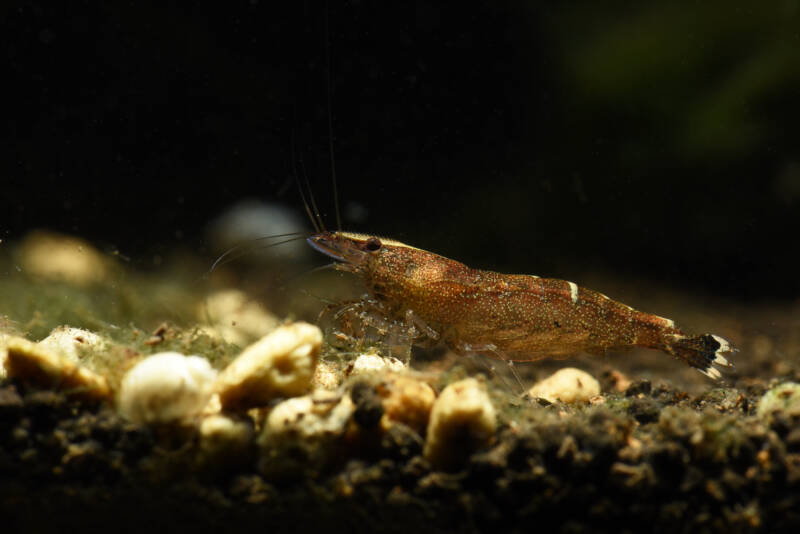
[511,316]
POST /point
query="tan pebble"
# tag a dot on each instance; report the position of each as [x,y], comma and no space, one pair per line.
[374,363]
[165,388]
[39,365]
[567,385]
[235,317]
[406,400]
[462,420]
[326,376]
[279,365]
[61,257]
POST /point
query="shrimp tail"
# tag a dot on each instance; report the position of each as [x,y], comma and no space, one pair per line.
[702,352]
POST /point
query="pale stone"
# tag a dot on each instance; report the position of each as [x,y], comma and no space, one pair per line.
[305,433]
[40,365]
[323,414]
[406,400]
[279,365]
[567,385]
[61,257]
[166,387]
[235,317]
[463,420]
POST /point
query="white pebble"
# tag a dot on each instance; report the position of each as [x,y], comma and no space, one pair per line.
[281,364]
[304,433]
[321,414]
[166,387]
[463,419]
[567,385]
[72,343]
[374,363]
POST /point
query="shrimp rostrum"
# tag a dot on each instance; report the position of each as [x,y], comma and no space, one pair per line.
[509,316]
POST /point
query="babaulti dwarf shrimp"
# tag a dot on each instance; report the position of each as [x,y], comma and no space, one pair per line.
[509,316]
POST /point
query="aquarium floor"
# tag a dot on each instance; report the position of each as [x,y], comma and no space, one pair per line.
[654,458]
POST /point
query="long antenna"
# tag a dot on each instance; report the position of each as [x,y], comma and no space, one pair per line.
[311,195]
[300,186]
[242,249]
[330,114]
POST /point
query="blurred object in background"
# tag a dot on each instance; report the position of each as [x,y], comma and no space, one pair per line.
[62,258]
[246,229]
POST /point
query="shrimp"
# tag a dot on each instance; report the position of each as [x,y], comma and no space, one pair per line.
[509,316]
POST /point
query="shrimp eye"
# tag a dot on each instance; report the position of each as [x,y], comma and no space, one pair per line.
[373,244]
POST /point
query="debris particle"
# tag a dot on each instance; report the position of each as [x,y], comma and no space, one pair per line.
[369,409]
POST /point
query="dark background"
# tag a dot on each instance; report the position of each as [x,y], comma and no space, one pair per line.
[645,139]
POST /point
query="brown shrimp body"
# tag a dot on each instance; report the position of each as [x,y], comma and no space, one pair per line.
[516,317]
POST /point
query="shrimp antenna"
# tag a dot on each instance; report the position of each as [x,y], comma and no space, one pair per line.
[311,195]
[317,223]
[329,69]
[242,249]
